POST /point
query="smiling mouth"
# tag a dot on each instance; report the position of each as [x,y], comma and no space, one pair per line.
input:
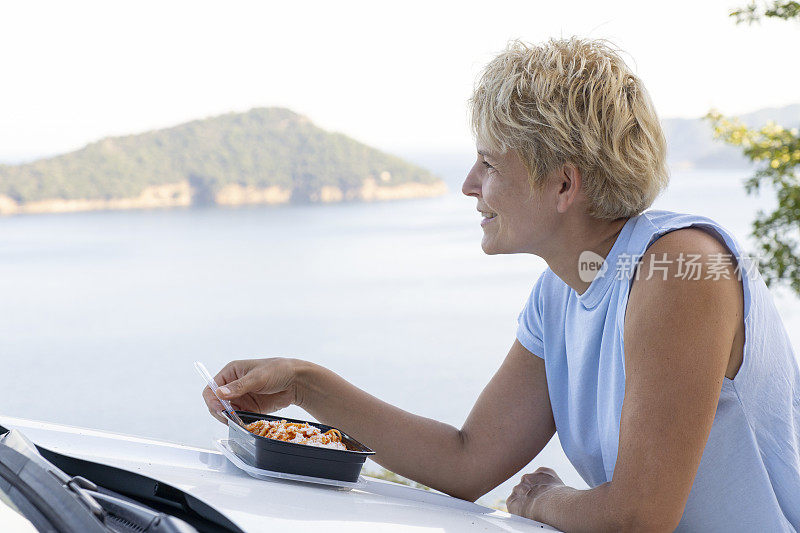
[487,216]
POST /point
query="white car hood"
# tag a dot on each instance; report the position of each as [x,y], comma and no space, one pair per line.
[260,505]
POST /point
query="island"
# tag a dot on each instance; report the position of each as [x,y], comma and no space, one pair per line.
[263,156]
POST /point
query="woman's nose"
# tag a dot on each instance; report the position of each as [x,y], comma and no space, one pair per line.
[472,183]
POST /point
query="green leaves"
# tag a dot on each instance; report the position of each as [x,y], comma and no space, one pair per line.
[777,151]
[776,9]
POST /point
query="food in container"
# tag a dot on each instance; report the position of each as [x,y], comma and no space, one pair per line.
[279,455]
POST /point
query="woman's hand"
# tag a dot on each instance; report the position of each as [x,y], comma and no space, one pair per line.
[523,497]
[257,385]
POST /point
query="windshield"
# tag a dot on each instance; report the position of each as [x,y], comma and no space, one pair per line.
[36,489]
[11,516]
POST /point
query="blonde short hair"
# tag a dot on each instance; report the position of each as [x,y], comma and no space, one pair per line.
[575,100]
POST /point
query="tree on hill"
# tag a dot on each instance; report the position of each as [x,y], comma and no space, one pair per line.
[776,150]
[261,148]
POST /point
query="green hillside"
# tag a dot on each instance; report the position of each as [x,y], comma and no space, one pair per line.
[261,148]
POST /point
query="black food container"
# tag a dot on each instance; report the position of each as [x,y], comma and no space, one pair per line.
[293,458]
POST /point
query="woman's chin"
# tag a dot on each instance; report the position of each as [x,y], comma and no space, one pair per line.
[488,247]
[493,246]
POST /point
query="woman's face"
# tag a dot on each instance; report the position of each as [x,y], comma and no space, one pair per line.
[515,219]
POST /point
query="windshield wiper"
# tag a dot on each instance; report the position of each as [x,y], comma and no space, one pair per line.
[105,510]
[80,487]
[49,505]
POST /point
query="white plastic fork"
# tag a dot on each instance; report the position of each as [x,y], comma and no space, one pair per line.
[203,371]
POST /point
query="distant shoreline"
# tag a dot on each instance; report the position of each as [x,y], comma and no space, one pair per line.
[181,194]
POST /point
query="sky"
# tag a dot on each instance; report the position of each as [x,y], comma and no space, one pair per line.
[395,75]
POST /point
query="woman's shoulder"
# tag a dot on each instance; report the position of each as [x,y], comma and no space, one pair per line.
[670,232]
[660,221]
[692,239]
[682,257]
[685,248]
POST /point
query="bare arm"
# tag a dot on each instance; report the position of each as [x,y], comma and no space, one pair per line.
[510,423]
[678,340]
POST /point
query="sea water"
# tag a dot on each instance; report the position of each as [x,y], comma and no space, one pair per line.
[102,314]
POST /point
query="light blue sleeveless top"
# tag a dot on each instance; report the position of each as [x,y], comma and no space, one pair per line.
[749,475]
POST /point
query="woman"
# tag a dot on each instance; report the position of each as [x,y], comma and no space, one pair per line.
[649,344]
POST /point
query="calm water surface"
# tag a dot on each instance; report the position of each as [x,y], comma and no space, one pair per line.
[102,314]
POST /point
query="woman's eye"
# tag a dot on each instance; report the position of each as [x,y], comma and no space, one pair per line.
[487,165]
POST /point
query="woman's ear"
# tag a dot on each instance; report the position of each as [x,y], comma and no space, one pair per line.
[569,184]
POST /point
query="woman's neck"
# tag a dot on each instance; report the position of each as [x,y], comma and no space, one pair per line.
[580,237]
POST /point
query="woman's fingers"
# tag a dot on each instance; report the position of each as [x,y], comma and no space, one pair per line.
[211,400]
[250,382]
[548,471]
[517,503]
[270,403]
[260,377]
[233,371]
[219,416]
[214,407]
[263,385]
[513,504]
[530,487]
